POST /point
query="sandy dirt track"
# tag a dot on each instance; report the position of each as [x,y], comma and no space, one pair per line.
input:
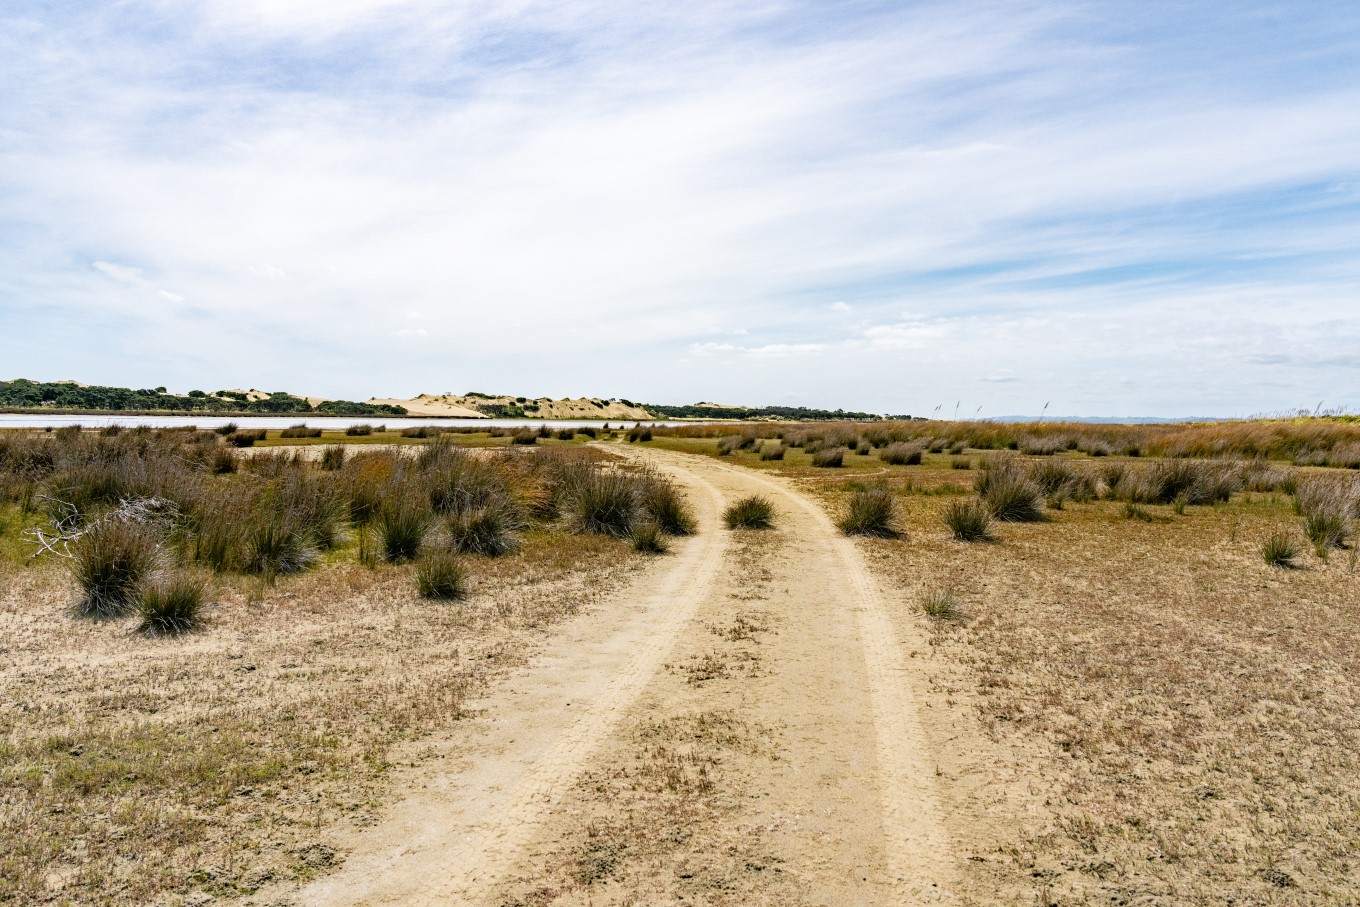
[845,800]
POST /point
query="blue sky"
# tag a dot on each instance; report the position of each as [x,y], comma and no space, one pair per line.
[1120,208]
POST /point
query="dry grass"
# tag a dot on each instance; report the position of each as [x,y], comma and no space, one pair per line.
[1183,710]
[136,769]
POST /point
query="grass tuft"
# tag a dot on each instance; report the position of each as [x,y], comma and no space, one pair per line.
[870,511]
[1280,550]
[1008,492]
[648,538]
[755,512]
[171,605]
[940,604]
[109,563]
[831,458]
[969,521]
[441,575]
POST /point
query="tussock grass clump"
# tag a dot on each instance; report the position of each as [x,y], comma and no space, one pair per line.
[830,458]
[300,430]
[276,545]
[441,575]
[903,454]
[872,511]
[941,604]
[648,538]
[1196,481]
[755,512]
[772,450]
[359,431]
[525,436]
[1008,491]
[170,605]
[228,428]
[665,506]
[491,530]
[1280,550]
[729,444]
[401,526]
[1327,508]
[969,521]
[960,463]
[109,562]
[602,502]
[246,438]
[1134,512]
[333,457]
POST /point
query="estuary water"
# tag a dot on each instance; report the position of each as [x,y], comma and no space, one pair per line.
[334,423]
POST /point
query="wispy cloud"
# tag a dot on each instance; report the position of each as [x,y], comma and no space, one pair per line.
[1130,209]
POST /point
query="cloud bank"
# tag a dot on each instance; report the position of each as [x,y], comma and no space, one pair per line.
[873,206]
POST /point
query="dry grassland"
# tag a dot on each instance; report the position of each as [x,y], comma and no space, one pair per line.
[138,770]
[1183,715]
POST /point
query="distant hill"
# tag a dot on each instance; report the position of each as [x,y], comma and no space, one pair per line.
[68,395]
[72,396]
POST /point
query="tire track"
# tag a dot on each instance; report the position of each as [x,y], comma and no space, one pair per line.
[917,848]
[451,842]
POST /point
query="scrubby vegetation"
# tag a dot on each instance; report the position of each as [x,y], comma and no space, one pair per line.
[23,394]
[123,505]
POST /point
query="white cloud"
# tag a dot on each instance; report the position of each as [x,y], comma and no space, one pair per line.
[121,273]
[641,179]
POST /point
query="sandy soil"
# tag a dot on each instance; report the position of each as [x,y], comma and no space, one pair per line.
[542,407]
[742,727]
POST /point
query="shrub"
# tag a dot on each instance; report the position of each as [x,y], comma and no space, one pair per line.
[772,450]
[441,575]
[225,429]
[170,605]
[902,454]
[941,604]
[1008,492]
[401,525]
[246,438]
[524,436]
[969,521]
[754,512]
[333,457]
[728,444]
[832,458]
[648,538]
[1280,550]
[870,511]
[566,434]
[300,430]
[589,431]
[424,431]
[109,562]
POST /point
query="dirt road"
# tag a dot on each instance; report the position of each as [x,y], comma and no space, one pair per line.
[739,727]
